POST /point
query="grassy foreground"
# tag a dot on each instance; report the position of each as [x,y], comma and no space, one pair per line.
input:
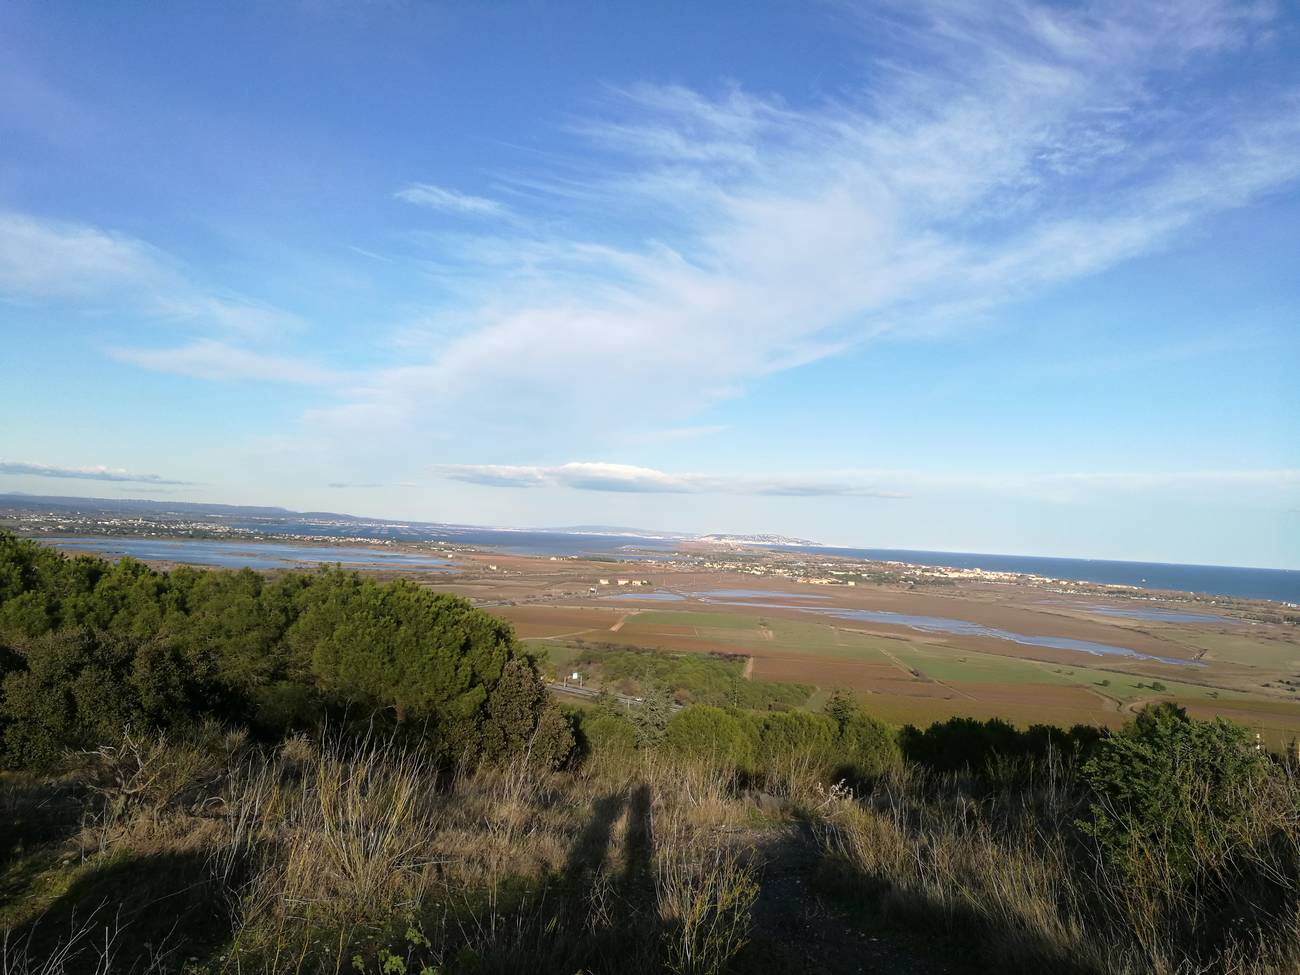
[212,854]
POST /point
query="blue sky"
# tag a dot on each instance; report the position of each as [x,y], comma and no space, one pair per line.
[942,275]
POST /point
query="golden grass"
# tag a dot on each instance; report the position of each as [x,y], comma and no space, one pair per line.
[1016,878]
[323,854]
[326,853]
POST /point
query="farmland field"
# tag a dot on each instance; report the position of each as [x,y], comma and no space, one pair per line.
[877,642]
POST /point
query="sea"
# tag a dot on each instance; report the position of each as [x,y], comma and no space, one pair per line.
[1282,585]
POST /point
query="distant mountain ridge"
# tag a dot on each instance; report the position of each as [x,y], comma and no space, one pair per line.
[200,509]
[165,507]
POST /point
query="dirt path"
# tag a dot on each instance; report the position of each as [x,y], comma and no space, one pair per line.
[798,929]
[748,672]
[621,620]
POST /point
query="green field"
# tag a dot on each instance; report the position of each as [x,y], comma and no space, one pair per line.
[747,629]
[942,662]
[964,666]
[980,682]
[1245,650]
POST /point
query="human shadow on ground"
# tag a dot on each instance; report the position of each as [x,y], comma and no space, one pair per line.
[799,926]
[596,915]
[590,850]
[143,909]
[36,814]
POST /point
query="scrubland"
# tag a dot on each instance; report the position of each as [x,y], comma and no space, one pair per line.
[211,853]
[212,772]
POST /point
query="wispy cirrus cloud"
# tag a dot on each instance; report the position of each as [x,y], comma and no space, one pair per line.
[95,473]
[450,201]
[44,260]
[208,359]
[734,235]
[41,259]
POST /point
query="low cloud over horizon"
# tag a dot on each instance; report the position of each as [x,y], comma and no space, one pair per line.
[891,485]
[94,473]
[627,478]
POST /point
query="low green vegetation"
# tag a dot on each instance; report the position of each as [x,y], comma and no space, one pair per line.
[842,743]
[691,677]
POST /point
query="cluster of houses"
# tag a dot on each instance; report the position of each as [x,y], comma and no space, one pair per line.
[625,582]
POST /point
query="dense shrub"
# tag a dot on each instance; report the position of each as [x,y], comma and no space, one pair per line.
[81,687]
[796,740]
[1169,793]
[865,747]
[605,731]
[711,733]
[970,744]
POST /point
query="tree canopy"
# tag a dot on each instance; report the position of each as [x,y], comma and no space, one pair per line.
[90,646]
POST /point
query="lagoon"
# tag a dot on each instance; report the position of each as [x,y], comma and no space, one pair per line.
[936,624]
[253,555]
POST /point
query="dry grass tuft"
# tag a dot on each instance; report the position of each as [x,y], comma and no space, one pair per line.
[705,897]
[1037,897]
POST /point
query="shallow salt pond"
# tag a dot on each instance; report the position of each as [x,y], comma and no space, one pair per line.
[1163,615]
[755,594]
[937,624]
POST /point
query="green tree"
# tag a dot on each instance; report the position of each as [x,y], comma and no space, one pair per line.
[797,739]
[606,729]
[521,719]
[865,747]
[81,688]
[650,716]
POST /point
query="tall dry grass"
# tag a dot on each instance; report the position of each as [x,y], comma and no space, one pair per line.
[328,855]
[1008,871]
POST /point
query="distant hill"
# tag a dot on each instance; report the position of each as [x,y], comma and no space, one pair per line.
[150,506]
[196,510]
